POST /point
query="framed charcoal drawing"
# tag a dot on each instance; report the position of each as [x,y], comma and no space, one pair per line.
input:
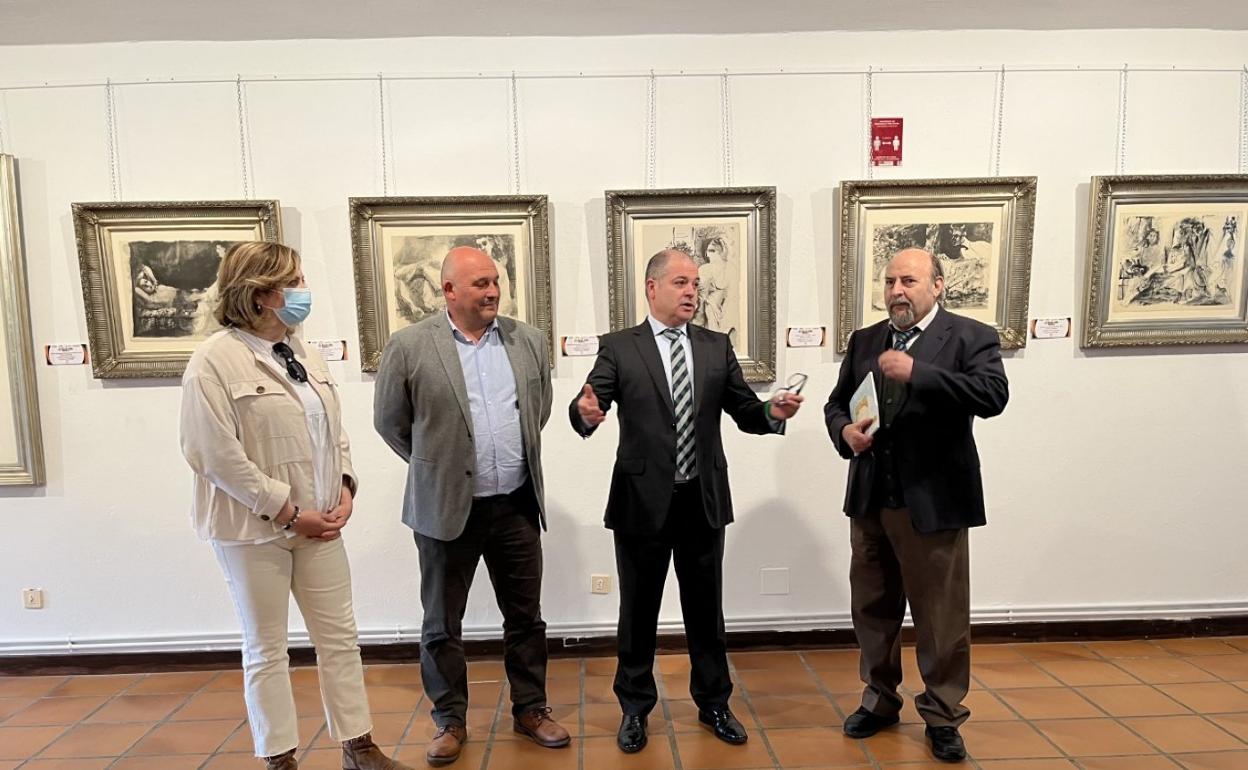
[730,232]
[398,245]
[1166,261]
[149,273]
[979,229]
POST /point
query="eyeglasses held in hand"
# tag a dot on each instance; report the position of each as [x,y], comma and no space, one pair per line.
[796,382]
[294,369]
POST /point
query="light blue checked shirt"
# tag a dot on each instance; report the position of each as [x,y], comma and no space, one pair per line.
[491,384]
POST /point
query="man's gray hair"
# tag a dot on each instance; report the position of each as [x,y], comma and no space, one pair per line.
[937,270]
[657,265]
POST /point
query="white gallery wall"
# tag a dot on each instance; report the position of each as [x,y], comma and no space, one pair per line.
[1113,478]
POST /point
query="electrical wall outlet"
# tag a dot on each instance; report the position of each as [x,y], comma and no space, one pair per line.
[600,584]
[32,598]
[774,581]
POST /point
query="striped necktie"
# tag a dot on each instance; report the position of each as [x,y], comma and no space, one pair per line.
[902,339]
[682,404]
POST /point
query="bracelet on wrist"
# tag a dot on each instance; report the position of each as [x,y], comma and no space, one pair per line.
[293,519]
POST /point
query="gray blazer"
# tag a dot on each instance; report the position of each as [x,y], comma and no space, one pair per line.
[420,409]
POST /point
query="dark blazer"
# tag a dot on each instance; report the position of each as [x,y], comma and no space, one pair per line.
[629,374]
[957,376]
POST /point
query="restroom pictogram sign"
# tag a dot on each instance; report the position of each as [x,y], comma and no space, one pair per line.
[886,141]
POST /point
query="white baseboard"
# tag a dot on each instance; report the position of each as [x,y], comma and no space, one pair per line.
[571,632]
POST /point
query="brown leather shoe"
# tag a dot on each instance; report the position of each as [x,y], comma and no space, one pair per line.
[281,762]
[362,754]
[446,745]
[544,731]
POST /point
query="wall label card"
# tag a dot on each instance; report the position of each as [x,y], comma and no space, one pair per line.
[65,354]
[579,345]
[331,350]
[886,141]
[1050,328]
[806,336]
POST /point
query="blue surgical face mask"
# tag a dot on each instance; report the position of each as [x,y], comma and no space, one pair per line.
[298,306]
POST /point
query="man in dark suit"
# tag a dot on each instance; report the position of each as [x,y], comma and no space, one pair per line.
[462,397]
[914,490]
[671,381]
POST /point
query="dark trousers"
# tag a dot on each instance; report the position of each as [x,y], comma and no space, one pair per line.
[642,561]
[892,562]
[504,529]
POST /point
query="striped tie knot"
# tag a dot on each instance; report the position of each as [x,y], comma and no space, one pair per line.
[902,338]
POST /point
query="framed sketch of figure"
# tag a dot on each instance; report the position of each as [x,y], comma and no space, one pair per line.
[149,274]
[1166,261]
[979,229]
[21,438]
[398,245]
[730,233]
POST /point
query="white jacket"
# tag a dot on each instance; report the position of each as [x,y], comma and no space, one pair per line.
[244,433]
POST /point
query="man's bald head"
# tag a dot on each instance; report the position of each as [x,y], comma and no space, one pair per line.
[924,256]
[470,285]
[461,257]
[913,282]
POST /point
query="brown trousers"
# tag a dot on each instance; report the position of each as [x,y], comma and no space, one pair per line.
[891,563]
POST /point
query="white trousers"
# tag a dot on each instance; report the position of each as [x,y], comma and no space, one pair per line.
[261,579]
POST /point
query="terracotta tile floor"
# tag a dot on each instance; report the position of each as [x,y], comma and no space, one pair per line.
[1131,705]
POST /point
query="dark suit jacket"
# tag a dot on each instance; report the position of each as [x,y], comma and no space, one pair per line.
[957,376]
[629,374]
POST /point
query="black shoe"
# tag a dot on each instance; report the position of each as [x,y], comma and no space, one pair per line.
[632,736]
[947,745]
[864,724]
[724,725]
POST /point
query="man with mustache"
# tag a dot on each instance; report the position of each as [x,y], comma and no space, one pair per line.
[462,397]
[914,490]
[669,501]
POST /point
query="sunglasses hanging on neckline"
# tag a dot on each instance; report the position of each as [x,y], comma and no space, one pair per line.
[294,369]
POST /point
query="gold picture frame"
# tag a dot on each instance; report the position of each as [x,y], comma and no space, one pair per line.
[149,277]
[981,229]
[730,232]
[1166,261]
[398,244]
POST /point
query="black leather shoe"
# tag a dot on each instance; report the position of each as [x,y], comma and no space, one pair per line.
[947,745]
[632,736]
[724,725]
[864,724]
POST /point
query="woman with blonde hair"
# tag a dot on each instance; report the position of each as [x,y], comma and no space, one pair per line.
[261,428]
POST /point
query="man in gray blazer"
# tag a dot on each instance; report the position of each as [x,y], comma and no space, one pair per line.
[462,397]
